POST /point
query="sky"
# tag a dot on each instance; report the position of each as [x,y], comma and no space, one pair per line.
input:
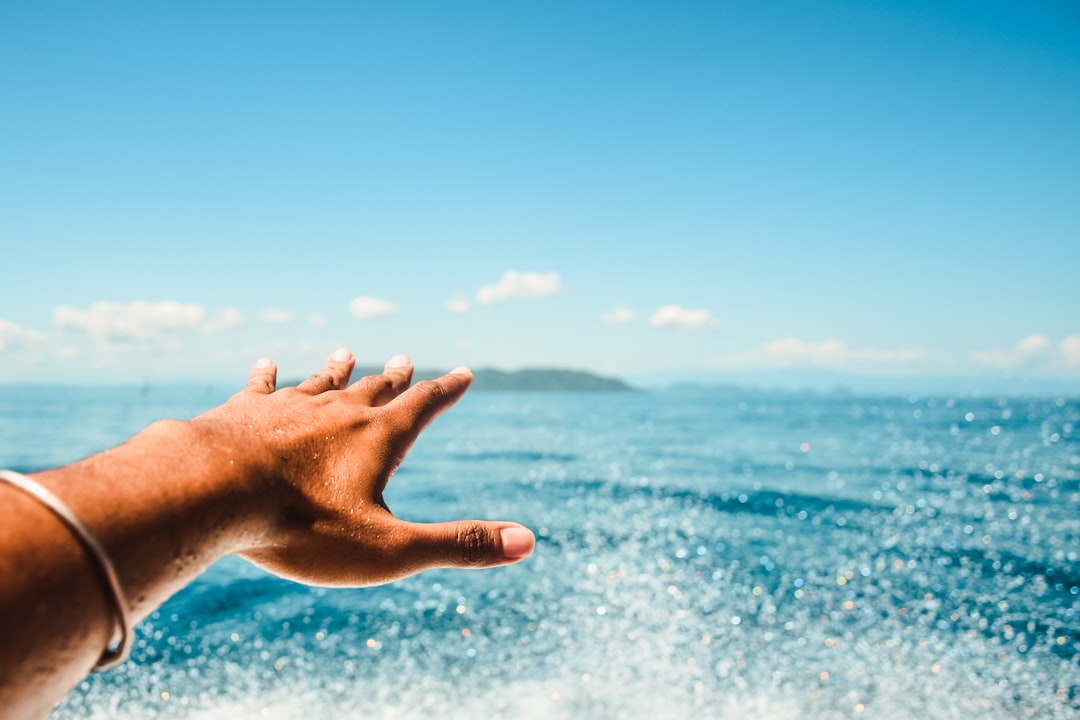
[833,192]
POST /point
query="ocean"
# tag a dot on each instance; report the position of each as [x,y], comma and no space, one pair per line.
[700,554]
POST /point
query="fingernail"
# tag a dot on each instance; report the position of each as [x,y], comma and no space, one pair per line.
[517,542]
[263,363]
[461,370]
[341,355]
[398,361]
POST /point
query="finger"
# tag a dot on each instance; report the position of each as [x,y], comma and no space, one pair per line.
[381,389]
[415,408]
[263,376]
[466,544]
[334,376]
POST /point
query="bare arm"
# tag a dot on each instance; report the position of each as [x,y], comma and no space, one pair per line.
[291,479]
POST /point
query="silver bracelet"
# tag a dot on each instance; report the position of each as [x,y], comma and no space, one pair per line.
[115,652]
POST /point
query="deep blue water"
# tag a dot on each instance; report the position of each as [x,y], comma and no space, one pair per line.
[701,554]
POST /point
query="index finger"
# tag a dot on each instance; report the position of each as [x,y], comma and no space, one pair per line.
[426,400]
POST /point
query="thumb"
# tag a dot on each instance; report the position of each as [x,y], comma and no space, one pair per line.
[467,544]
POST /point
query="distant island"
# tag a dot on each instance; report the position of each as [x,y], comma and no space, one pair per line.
[529,379]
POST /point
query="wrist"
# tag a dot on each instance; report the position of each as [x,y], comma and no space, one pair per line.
[233,471]
[167,503]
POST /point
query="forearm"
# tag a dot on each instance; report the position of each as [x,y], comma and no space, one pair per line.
[165,505]
[292,480]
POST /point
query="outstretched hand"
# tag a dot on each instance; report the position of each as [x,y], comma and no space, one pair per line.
[291,479]
[326,451]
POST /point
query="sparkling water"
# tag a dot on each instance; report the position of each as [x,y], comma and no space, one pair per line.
[701,553]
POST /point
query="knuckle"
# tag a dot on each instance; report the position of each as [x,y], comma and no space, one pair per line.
[473,541]
[321,380]
[260,384]
[431,389]
[378,384]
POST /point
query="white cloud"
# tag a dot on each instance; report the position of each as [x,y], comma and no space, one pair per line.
[513,284]
[619,316]
[139,319]
[995,357]
[1070,349]
[12,335]
[1033,345]
[794,352]
[224,319]
[458,305]
[678,316]
[834,353]
[275,316]
[317,319]
[368,307]
[1024,352]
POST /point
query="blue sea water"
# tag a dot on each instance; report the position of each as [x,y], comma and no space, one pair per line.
[700,554]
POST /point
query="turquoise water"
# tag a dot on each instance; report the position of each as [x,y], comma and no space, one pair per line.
[700,554]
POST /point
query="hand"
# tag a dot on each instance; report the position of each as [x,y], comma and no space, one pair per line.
[326,453]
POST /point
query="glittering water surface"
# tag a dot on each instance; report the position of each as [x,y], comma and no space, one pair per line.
[701,554]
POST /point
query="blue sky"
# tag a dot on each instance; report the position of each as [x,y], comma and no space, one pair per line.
[760,192]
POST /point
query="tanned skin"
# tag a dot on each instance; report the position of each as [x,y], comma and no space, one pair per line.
[290,479]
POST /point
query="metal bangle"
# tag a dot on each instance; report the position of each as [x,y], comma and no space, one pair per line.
[115,652]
